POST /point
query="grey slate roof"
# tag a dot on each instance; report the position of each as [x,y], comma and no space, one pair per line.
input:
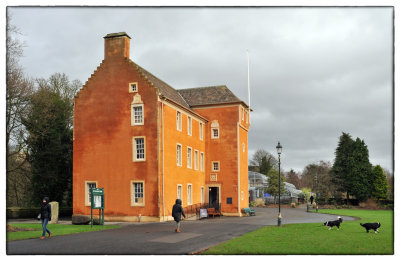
[164,88]
[191,97]
[208,95]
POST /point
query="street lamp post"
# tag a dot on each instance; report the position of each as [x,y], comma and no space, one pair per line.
[279,151]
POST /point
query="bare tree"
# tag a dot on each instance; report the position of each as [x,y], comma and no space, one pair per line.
[269,160]
[390,181]
[317,176]
[18,90]
[293,178]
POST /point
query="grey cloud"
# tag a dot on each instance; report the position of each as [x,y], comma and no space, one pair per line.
[315,72]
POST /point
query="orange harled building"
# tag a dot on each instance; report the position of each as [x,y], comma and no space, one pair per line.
[148,144]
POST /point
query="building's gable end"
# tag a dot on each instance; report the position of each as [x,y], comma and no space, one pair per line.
[82,91]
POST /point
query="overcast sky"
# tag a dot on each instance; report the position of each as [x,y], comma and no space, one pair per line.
[314,72]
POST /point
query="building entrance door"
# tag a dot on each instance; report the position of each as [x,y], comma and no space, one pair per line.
[213,198]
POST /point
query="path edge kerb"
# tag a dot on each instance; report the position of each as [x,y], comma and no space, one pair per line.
[355,218]
[201,250]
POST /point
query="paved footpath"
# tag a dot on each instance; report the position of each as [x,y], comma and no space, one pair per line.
[160,238]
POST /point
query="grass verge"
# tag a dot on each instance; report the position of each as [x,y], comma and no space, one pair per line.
[314,238]
[56,229]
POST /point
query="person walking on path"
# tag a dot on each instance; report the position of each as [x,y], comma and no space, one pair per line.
[177,212]
[311,199]
[45,216]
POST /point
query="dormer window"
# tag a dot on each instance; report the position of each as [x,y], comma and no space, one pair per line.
[133,87]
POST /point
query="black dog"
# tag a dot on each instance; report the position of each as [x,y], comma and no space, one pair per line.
[369,226]
[336,223]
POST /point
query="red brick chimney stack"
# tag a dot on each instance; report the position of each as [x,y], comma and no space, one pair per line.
[116,45]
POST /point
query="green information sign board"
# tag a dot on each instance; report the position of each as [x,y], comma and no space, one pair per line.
[97,202]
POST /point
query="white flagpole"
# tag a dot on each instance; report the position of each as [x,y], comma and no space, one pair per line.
[248,81]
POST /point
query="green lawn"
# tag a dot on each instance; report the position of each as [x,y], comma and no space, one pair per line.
[315,238]
[56,229]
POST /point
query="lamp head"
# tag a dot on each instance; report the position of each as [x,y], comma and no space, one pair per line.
[279,148]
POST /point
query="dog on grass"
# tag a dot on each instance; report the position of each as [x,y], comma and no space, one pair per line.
[336,223]
[369,226]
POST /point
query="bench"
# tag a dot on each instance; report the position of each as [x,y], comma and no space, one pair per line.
[212,212]
[249,211]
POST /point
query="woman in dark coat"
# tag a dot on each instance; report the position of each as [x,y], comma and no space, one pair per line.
[177,212]
[45,216]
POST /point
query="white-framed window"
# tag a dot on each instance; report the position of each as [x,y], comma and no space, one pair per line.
[189,157]
[137,110]
[137,193]
[215,166]
[178,154]
[179,121]
[196,160]
[133,87]
[88,186]
[215,130]
[189,194]
[201,131]
[179,191]
[139,149]
[201,161]
[214,133]
[189,125]
[137,114]
[202,195]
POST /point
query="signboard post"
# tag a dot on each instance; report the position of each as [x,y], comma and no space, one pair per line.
[203,213]
[97,202]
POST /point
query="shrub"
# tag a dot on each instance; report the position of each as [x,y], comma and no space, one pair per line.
[322,201]
[293,205]
[369,204]
[259,202]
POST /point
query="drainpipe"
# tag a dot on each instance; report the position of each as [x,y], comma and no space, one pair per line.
[162,118]
[238,150]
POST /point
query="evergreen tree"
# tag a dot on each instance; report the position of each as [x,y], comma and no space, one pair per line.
[379,183]
[360,169]
[341,170]
[264,167]
[49,125]
[273,183]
